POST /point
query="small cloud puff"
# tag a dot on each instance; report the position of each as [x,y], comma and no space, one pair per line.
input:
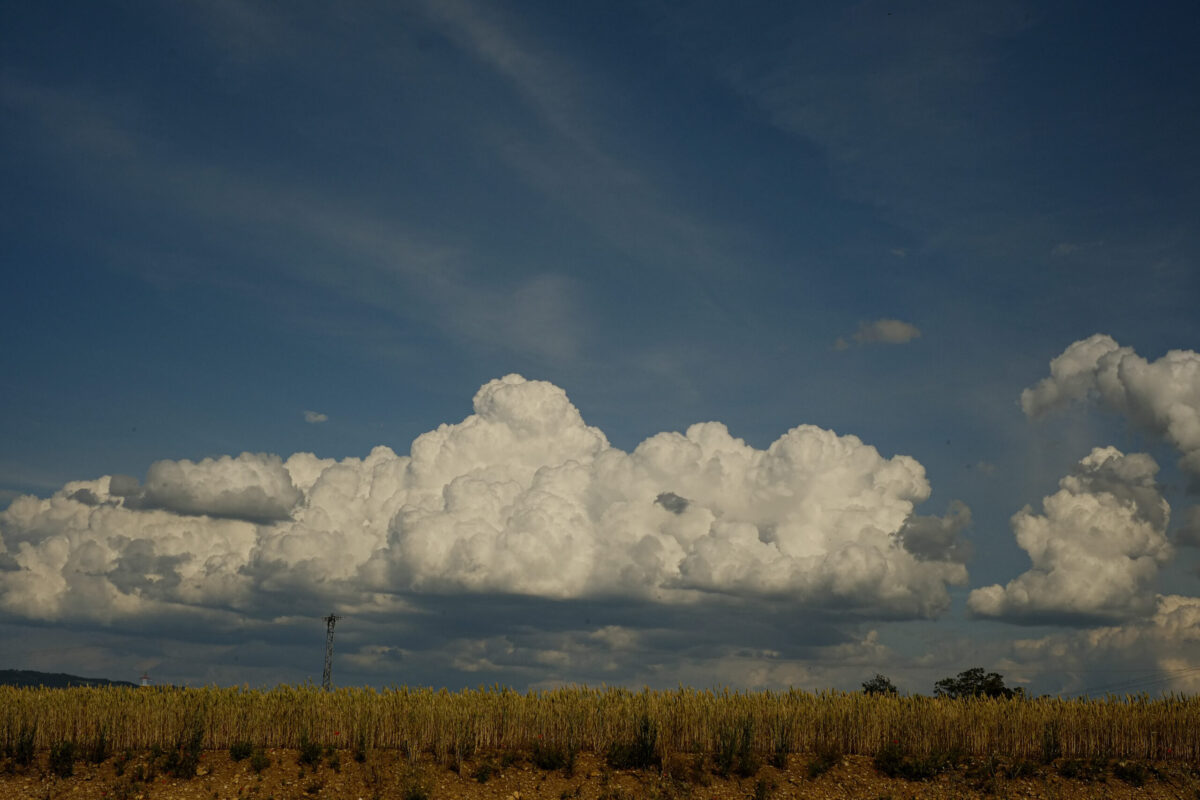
[521,498]
[1161,396]
[1096,549]
[881,331]
[313,417]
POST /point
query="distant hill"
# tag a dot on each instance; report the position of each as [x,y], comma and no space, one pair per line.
[53,680]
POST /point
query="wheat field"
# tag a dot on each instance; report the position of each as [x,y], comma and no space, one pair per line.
[443,723]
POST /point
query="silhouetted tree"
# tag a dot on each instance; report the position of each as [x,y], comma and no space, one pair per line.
[880,684]
[974,682]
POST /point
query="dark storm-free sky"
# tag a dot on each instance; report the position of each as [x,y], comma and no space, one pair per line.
[236,227]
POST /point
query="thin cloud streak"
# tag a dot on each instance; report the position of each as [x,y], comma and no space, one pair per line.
[606,190]
[378,263]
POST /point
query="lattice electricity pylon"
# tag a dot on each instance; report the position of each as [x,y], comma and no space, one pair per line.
[327,677]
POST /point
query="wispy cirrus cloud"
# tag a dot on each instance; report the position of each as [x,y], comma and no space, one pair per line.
[290,232]
[607,187]
[898,106]
[911,127]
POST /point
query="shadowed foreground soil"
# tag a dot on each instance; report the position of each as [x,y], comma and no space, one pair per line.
[387,774]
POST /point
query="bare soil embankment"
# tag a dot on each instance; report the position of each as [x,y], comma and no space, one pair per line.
[385,775]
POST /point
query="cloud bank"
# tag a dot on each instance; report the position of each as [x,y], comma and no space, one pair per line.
[1157,653]
[1160,396]
[1096,548]
[522,497]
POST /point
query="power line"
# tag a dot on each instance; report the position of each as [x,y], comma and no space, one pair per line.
[1155,678]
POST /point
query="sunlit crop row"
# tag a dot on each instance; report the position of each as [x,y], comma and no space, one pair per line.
[444,723]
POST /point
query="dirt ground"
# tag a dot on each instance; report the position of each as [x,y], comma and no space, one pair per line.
[386,775]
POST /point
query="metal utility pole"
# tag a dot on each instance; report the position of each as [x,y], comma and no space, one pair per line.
[327,678]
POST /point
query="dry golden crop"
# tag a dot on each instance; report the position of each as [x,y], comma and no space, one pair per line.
[443,723]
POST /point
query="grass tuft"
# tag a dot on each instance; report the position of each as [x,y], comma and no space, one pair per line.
[1134,773]
[309,751]
[639,753]
[259,760]
[62,759]
[894,761]
[825,759]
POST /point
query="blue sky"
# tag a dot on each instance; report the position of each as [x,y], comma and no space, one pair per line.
[219,216]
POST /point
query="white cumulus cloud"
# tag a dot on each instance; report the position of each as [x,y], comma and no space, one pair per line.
[522,497]
[1160,396]
[1096,548]
[313,417]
